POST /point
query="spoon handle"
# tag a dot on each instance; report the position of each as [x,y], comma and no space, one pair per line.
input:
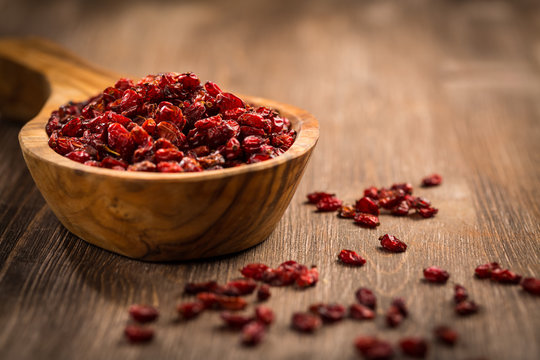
[39,75]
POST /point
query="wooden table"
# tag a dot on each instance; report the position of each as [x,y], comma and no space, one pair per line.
[401,89]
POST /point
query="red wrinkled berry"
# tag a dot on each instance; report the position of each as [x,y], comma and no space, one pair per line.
[466,307]
[306,322]
[143,313]
[399,303]
[347,212]
[366,220]
[264,315]
[401,209]
[427,212]
[329,204]
[414,346]
[239,287]
[372,193]
[394,316]
[254,271]
[372,348]
[315,197]
[307,277]
[208,299]
[138,334]
[484,271]
[191,309]
[263,293]
[367,205]
[253,333]
[432,180]
[446,334]
[505,276]
[351,257]
[460,293]
[232,303]
[392,243]
[366,297]
[405,187]
[235,321]
[195,288]
[361,312]
[531,285]
[329,312]
[435,274]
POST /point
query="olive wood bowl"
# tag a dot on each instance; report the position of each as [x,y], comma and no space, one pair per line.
[147,216]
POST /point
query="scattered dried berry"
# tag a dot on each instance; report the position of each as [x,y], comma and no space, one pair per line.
[505,276]
[329,312]
[466,307]
[209,300]
[190,310]
[264,315]
[239,287]
[427,212]
[254,271]
[484,271]
[195,288]
[366,297]
[263,293]
[531,285]
[307,277]
[125,126]
[367,205]
[138,334]
[350,257]
[306,322]
[347,212]
[432,180]
[315,197]
[361,312]
[143,313]
[460,294]
[399,303]
[235,321]
[392,243]
[394,316]
[446,335]
[414,346]
[366,220]
[372,348]
[232,303]
[329,204]
[253,333]
[435,274]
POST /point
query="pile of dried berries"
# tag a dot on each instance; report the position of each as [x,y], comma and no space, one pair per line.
[288,273]
[397,200]
[167,123]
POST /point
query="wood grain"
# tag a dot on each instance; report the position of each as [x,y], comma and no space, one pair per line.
[401,89]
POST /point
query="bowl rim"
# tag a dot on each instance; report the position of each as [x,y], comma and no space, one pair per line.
[33,141]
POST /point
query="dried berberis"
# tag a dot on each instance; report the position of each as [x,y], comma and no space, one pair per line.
[414,346]
[305,322]
[366,297]
[372,348]
[361,312]
[143,313]
[167,123]
[432,180]
[351,257]
[329,312]
[138,334]
[494,272]
[392,243]
[446,334]
[287,273]
[531,285]
[466,307]
[435,274]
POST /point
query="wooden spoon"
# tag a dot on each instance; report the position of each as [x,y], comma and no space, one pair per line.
[149,216]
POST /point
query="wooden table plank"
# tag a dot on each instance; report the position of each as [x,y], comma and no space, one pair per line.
[401,89]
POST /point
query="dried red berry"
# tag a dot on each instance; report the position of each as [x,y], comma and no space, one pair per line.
[399,303]
[367,205]
[329,204]
[235,321]
[253,333]
[466,307]
[372,193]
[401,209]
[195,288]
[414,346]
[347,212]
[232,303]
[239,287]
[361,312]
[435,274]
[143,313]
[432,180]
[329,312]
[460,294]
[191,309]
[484,271]
[505,276]
[531,285]
[394,316]
[427,212]
[263,293]
[392,243]
[366,297]
[372,348]
[315,197]
[209,300]
[307,277]
[306,322]
[446,334]
[351,257]
[366,220]
[264,315]
[138,334]
[254,271]
[405,187]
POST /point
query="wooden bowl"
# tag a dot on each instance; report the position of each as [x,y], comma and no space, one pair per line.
[154,216]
